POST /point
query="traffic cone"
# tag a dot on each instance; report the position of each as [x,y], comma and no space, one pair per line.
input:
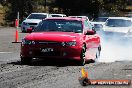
[16,36]
[84,80]
[16,23]
[16,32]
[84,73]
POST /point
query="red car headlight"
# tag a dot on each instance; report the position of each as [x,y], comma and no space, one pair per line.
[72,43]
[27,42]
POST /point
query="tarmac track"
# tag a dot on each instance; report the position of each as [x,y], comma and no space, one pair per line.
[51,73]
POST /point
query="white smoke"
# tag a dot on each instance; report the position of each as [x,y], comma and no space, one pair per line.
[115,50]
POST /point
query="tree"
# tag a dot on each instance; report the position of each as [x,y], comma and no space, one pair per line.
[24,7]
[79,7]
[91,8]
[94,8]
[114,7]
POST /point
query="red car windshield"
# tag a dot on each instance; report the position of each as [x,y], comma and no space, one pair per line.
[59,25]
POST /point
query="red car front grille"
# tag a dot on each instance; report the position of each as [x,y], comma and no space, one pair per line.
[48,43]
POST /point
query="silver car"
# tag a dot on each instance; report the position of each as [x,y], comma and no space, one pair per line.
[118,28]
[32,21]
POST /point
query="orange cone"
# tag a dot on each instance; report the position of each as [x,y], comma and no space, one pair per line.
[84,80]
[16,33]
[16,36]
[84,73]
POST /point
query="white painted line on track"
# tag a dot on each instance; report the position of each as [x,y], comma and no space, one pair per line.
[5,52]
[128,75]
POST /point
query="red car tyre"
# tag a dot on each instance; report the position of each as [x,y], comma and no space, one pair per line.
[26,60]
[97,55]
[82,56]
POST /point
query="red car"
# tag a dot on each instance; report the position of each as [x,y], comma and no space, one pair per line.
[64,38]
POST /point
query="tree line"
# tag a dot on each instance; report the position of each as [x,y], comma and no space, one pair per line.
[91,8]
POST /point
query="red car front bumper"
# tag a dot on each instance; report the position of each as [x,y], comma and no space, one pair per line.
[62,52]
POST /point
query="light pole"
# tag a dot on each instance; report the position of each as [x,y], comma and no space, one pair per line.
[45,5]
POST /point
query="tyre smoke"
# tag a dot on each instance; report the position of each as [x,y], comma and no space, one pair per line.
[115,50]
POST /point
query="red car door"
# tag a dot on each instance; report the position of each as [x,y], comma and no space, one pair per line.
[89,39]
[92,41]
[95,37]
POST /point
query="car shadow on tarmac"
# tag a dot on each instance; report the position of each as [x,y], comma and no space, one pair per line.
[43,62]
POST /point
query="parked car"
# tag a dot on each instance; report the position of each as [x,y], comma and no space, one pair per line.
[57,15]
[61,37]
[118,28]
[32,21]
[99,22]
[98,26]
[84,17]
[100,19]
